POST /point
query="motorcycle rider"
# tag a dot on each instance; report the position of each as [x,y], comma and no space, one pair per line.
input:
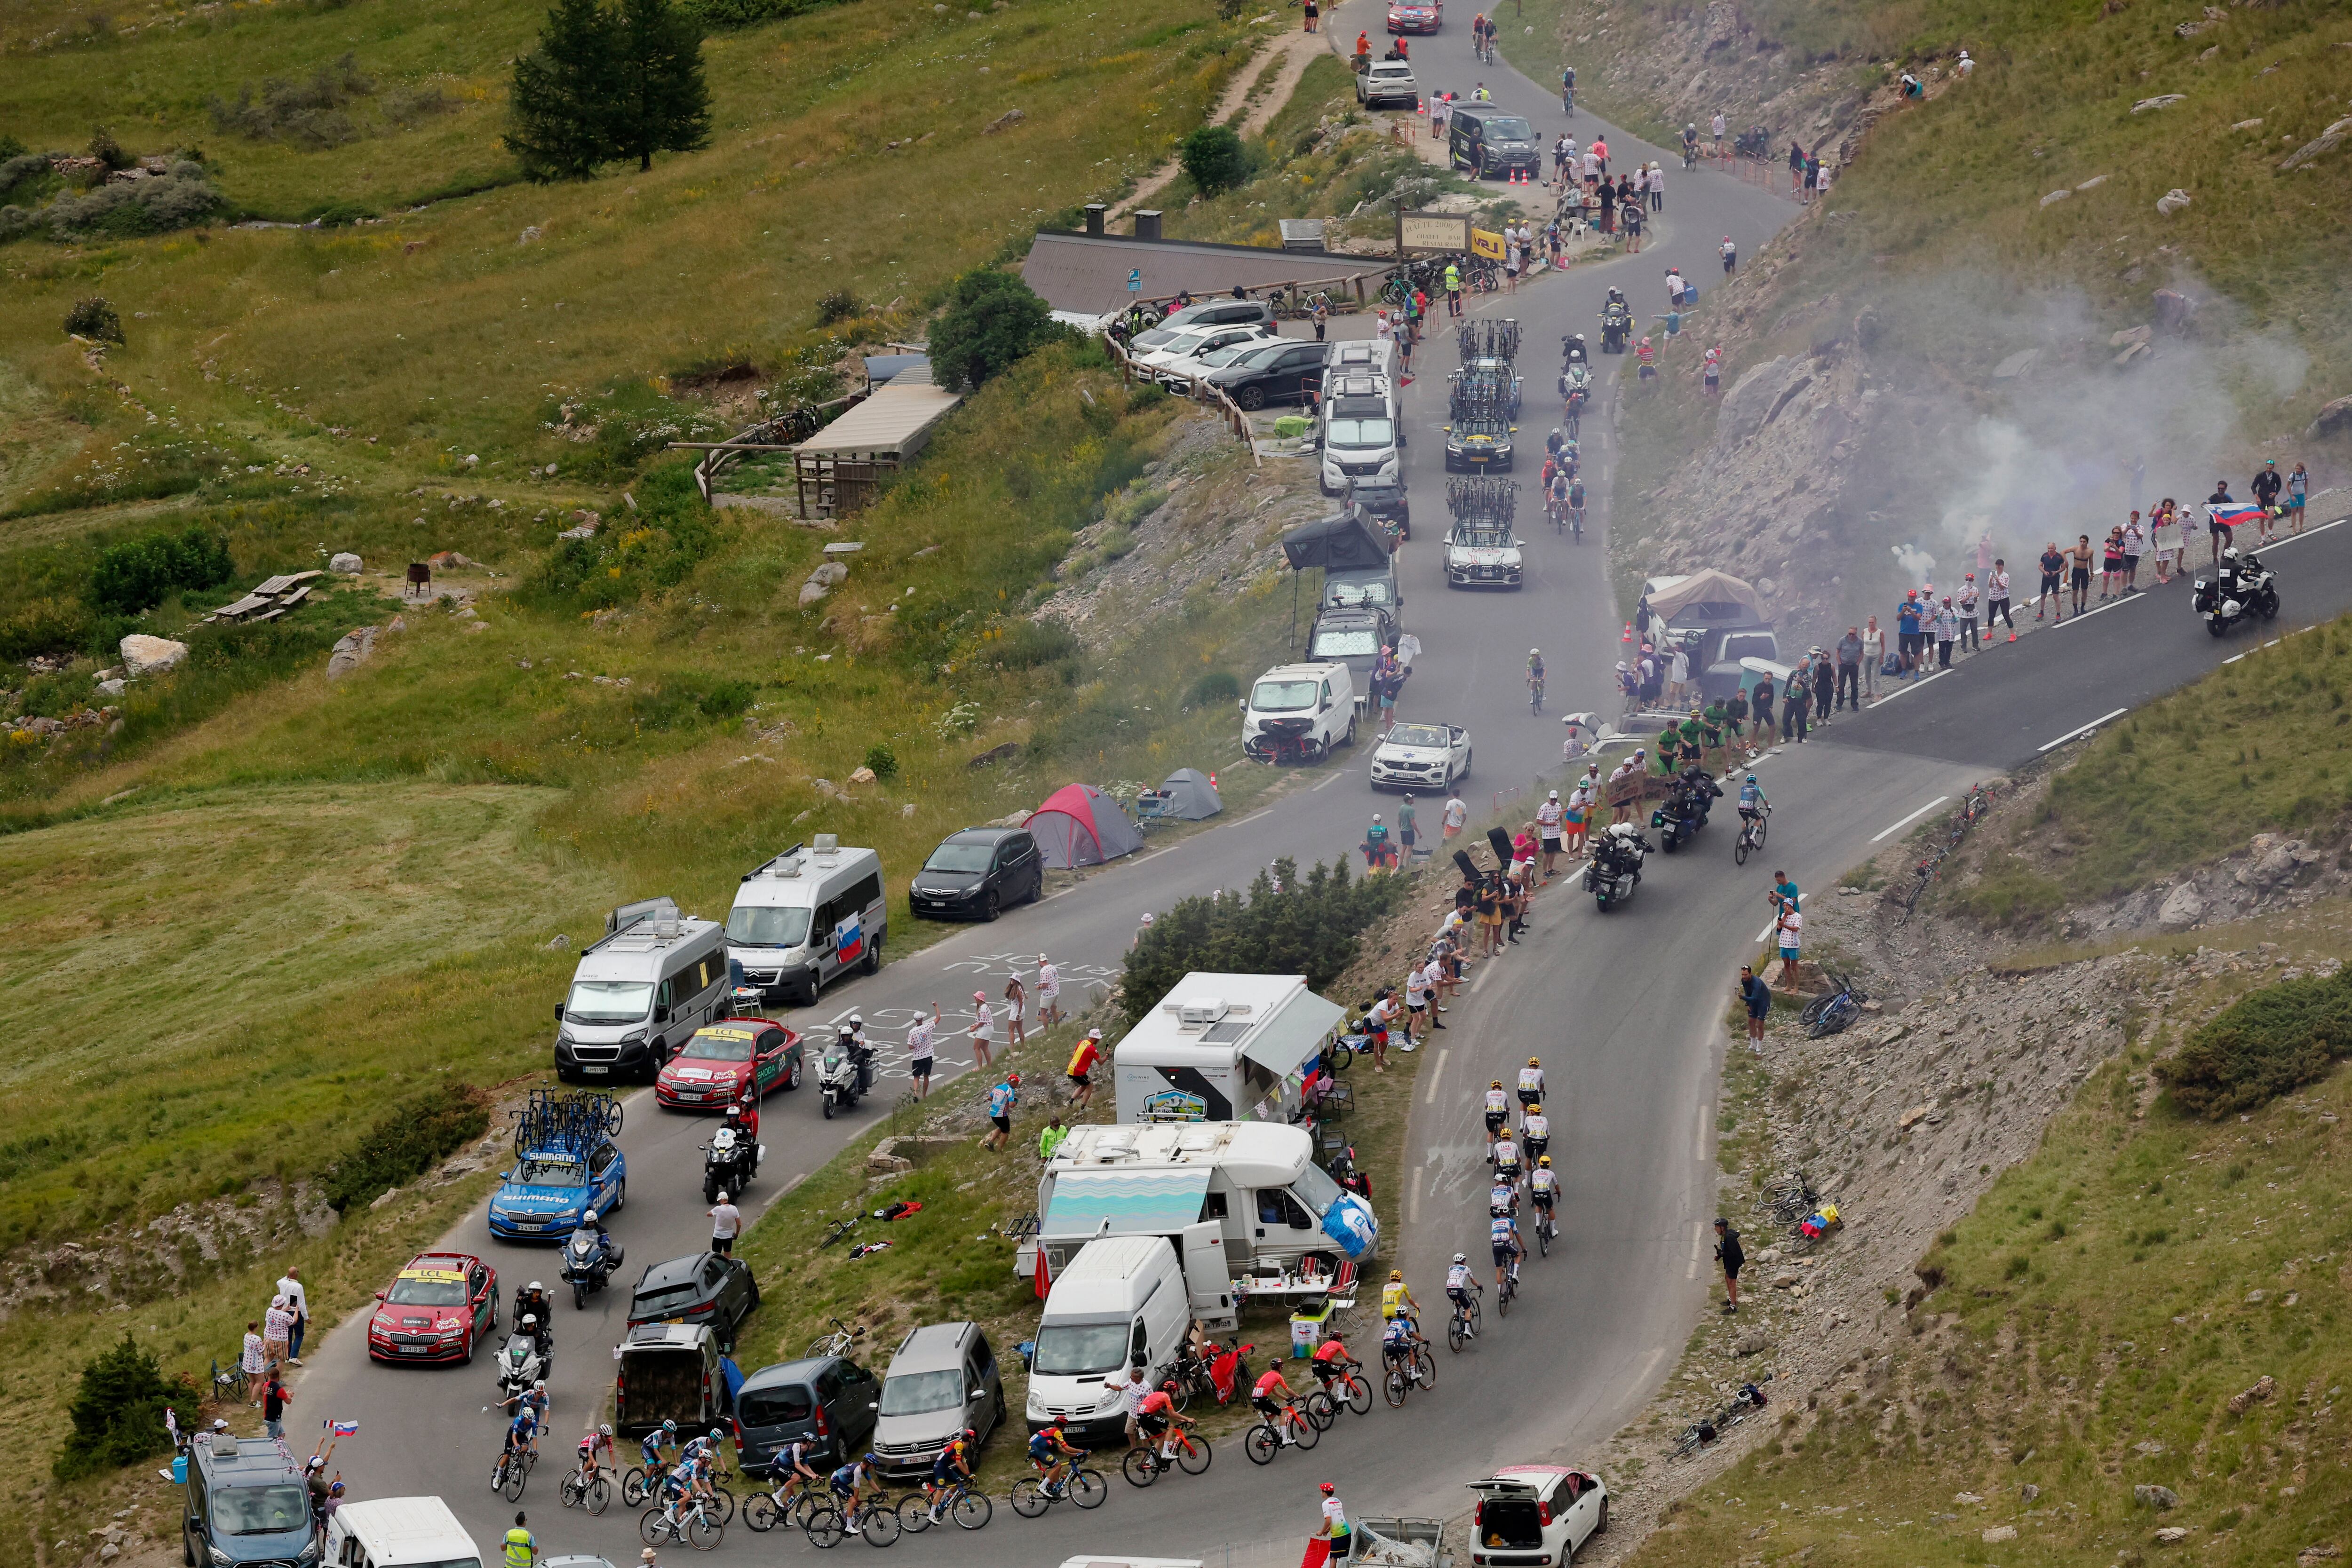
[533,1310]
[592,1225]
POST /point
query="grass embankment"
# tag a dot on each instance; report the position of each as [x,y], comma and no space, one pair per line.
[2257,746]
[2082,1333]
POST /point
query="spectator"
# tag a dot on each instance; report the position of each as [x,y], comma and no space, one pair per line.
[1049,994]
[291,1287]
[254,1363]
[1790,926]
[2164,537]
[1713,371]
[1997,598]
[1760,699]
[1621,784]
[1874,655]
[922,1049]
[984,1027]
[726,1225]
[1728,1253]
[1848,670]
[2111,565]
[1758,997]
[1081,1071]
[1051,1138]
[1717,126]
[2135,546]
[1825,688]
[1001,1097]
[2217,532]
[2266,487]
[1908,633]
[277,1332]
[1455,814]
[1796,705]
[2298,490]
[1677,676]
[1408,828]
[2054,566]
[1967,609]
[1016,1001]
[274,1400]
[1948,631]
[2078,572]
[1657,183]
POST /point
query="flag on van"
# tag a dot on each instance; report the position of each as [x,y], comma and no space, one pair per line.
[849,938]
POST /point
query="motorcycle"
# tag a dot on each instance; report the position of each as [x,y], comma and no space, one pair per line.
[1615,868]
[1616,322]
[524,1361]
[843,1073]
[730,1160]
[1679,818]
[589,1260]
[2235,594]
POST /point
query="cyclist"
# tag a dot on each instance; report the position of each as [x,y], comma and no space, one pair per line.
[1503,1235]
[1331,1362]
[952,1468]
[1534,1132]
[794,1473]
[1568,89]
[1531,1082]
[596,1443]
[657,1451]
[1498,1110]
[1543,1185]
[522,1434]
[1459,1282]
[1270,1396]
[1561,486]
[846,1481]
[1576,504]
[1752,804]
[1690,145]
[688,1477]
[533,1404]
[1503,1199]
[1505,1152]
[1536,674]
[1050,1454]
[1396,1298]
[1156,1415]
[1398,1342]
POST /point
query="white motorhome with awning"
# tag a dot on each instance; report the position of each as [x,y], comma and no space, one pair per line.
[1234,1198]
[1223,1048]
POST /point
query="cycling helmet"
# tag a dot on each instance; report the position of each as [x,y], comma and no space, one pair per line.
[972,1433]
[1462,1257]
[715,1434]
[1396,1276]
[1167,1388]
[604,1431]
[539,1387]
[872,1459]
[1535,1108]
[670,1426]
[1533,1063]
[1497,1083]
[589,1218]
[1328,1488]
[1751,778]
[1534,653]
[1544,1161]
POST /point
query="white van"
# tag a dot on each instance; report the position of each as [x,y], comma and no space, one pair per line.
[1361,433]
[1273,1205]
[1313,704]
[640,993]
[806,917]
[399,1532]
[1121,1302]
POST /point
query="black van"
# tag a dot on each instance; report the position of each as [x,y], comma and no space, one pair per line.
[1487,139]
[246,1503]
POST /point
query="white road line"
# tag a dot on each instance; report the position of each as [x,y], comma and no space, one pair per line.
[2306,533]
[2233,658]
[1899,827]
[2078,734]
[1155,854]
[1699,1250]
[1705,1120]
[2102,610]
[1436,1070]
[1655,1356]
[1329,782]
[1484,969]
[1412,1199]
[1254,816]
[1913,686]
[1763,934]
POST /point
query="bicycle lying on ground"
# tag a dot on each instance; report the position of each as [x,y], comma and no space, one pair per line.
[1831,1014]
[1701,1433]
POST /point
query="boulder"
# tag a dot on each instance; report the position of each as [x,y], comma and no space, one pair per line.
[2059,195]
[821,581]
[862,776]
[2260,1394]
[2184,906]
[2175,312]
[2016,365]
[1999,1533]
[2170,1535]
[2130,336]
[1759,393]
[2162,101]
[1005,121]
[2335,418]
[112,688]
[145,655]
[344,561]
[2326,141]
[2171,201]
[351,651]
[558,941]
[1751,1343]
[2161,1499]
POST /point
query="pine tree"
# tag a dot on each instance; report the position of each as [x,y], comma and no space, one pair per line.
[560,121]
[662,105]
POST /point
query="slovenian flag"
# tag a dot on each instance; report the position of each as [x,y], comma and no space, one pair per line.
[344,1428]
[849,938]
[2234,514]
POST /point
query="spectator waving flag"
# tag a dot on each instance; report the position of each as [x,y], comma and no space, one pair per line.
[2234,514]
[344,1428]
[849,938]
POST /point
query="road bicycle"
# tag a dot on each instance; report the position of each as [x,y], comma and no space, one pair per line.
[1699,1434]
[834,1232]
[512,1472]
[1576,524]
[1831,1014]
[1535,695]
[1264,1439]
[1145,1463]
[789,1502]
[1545,1230]
[695,1524]
[1751,834]
[1404,1373]
[840,1341]
[1084,1487]
[1972,810]
[592,1492]
[1792,1197]
[638,1483]
[962,1501]
[1463,1327]
[1349,1389]
[1510,1287]
[827,1526]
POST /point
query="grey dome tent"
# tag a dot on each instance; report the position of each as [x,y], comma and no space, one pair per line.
[1190,796]
[1079,825]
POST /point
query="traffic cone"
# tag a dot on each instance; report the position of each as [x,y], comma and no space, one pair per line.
[1628,637]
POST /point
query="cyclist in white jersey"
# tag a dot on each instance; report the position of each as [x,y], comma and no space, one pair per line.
[1535,1133]
[1503,1235]
[1503,1199]
[1506,1153]
[1531,1081]
[1459,1282]
[1543,1183]
[1498,1110]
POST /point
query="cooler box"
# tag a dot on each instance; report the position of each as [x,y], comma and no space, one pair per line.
[1306,1329]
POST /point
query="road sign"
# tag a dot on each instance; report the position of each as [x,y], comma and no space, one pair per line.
[1135,281]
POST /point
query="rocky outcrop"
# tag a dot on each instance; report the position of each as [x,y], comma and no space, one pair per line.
[146,655]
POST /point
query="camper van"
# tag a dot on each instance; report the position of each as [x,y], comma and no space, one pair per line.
[807,917]
[1121,1302]
[399,1532]
[1257,1181]
[1360,433]
[1222,1048]
[638,994]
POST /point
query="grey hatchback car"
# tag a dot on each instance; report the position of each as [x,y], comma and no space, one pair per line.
[943,1378]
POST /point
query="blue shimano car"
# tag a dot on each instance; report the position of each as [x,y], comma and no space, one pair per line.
[566,1162]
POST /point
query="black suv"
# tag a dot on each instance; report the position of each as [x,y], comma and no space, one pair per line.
[1279,372]
[701,1288]
[825,1400]
[977,872]
[1384,500]
[1479,445]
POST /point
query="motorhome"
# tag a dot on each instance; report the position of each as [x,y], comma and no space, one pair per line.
[1223,1048]
[640,993]
[806,917]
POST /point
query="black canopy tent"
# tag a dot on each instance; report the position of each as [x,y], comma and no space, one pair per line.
[1344,542]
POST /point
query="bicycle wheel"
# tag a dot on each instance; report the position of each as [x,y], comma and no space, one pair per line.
[880,1526]
[1393,1389]
[1454,1338]
[572,1493]
[1319,1411]
[1543,1239]
[518,1476]
[1427,1364]
[760,1512]
[1141,1467]
[801,1509]
[1763,825]
[724,1507]
[1193,1454]
[703,1532]
[822,1528]
[1087,1488]
[1358,1394]
[1739,848]
[600,1494]
[1029,1499]
[1306,1434]
[652,1528]
[1813,1010]
[914,1513]
[1503,1300]
[633,1486]
[971,1509]
[1261,1443]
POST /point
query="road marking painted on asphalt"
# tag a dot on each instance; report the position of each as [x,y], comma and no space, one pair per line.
[1706,1119]
[2276,544]
[1412,1199]
[2102,610]
[1699,1250]
[1907,822]
[1254,816]
[1329,782]
[1436,1069]
[1913,686]
[1484,969]
[1156,853]
[2078,734]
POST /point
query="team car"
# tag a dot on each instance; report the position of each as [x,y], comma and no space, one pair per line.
[1415,16]
[701,1288]
[566,1162]
[1422,756]
[719,1063]
[1536,1516]
[438,1308]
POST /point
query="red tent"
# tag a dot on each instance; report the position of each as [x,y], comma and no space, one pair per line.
[1079,825]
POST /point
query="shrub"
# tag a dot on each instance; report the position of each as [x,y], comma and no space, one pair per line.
[179,200]
[95,318]
[1033,643]
[1213,158]
[2263,1045]
[408,1140]
[1215,688]
[117,1414]
[883,760]
[1310,929]
[142,573]
[24,176]
[840,305]
[993,321]
[43,626]
[728,699]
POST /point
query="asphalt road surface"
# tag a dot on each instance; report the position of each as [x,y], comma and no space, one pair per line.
[1624,1008]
